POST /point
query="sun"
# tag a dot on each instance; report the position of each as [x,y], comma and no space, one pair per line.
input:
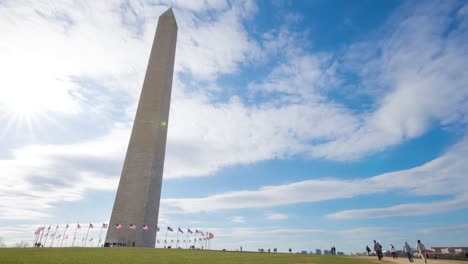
[21,105]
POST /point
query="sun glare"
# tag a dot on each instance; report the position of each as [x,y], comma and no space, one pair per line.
[22,106]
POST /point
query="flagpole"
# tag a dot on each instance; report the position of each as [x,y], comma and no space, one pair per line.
[100,233]
[36,237]
[63,236]
[195,239]
[186,241]
[165,241]
[86,239]
[47,236]
[42,234]
[74,236]
[177,242]
[56,228]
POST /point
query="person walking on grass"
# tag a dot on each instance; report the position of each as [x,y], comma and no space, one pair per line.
[422,250]
[368,250]
[407,249]
[393,250]
[378,250]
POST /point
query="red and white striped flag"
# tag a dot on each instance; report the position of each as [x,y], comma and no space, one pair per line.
[210,236]
[38,231]
[169,228]
[145,227]
[78,226]
[118,226]
[180,230]
[197,231]
[66,226]
[132,226]
[91,226]
[190,231]
[104,225]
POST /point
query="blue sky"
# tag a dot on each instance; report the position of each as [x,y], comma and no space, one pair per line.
[293,124]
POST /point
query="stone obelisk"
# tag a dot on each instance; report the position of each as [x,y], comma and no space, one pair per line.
[139,192]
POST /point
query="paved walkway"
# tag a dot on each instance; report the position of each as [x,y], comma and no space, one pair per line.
[400,260]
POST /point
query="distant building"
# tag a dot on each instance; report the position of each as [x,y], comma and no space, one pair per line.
[448,250]
[326,252]
[340,253]
[318,252]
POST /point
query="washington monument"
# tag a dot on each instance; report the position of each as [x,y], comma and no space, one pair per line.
[137,201]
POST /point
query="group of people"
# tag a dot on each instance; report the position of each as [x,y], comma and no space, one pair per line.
[406,249]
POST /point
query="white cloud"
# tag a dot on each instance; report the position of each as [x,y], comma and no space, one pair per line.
[417,77]
[38,176]
[208,48]
[409,209]
[238,219]
[442,176]
[448,228]
[276,216]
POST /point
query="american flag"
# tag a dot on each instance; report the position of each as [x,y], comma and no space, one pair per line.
[38,231]
[118,226]
[59,236]
[91,239]
[180,230]
[145,227]
[210,236]
[66,226]
[169,229]
[91,226]
[197,231]
[78,226]
[190,231]
[132,226]
[157,229]
[104,225]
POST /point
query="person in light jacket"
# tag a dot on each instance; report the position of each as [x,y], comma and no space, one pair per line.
[407,249]
[422,250]
[393,250]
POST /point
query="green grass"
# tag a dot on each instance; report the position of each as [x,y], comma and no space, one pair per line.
[160,256]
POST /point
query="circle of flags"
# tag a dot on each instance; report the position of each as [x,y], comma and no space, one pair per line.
[42,235]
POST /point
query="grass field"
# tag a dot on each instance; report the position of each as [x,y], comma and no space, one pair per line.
[171,256]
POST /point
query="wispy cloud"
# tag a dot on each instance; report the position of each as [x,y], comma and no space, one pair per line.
[442,176]
[276,216]
[238,219]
